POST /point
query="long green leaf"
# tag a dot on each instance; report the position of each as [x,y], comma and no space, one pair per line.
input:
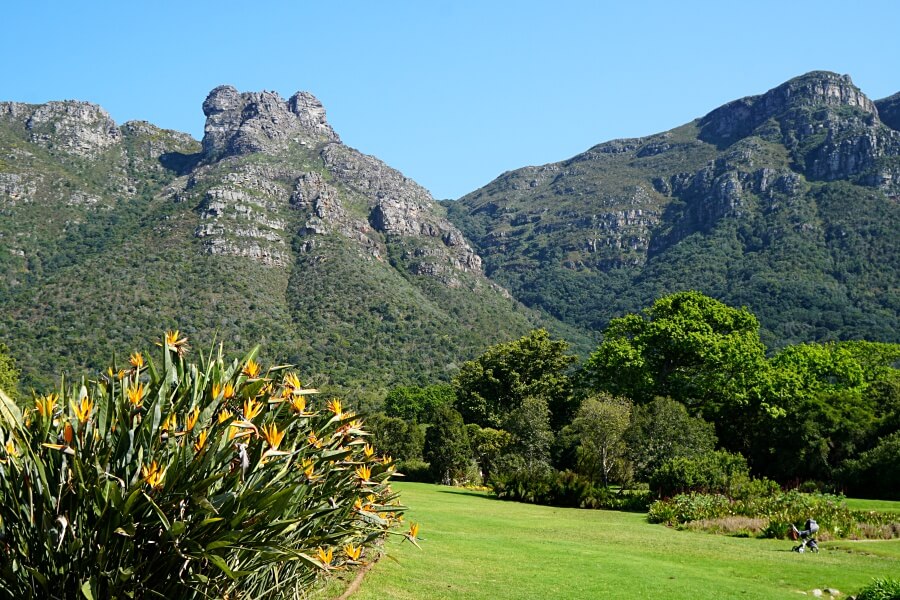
[10,415]
[159,512]
[220,562]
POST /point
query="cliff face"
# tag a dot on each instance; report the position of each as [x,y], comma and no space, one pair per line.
[741,203]
[270,230]
[267,162]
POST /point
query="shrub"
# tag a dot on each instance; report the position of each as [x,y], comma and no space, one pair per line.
[184,480]
[564,488]
[779,510]
[415,470]
[685,508]
[712,472]
[734,526]
[881,589]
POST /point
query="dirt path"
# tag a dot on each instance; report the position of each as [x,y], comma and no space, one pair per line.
[357,581]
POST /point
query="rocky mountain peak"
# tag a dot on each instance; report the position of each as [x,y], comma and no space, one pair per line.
[818,88]
[241,123]
[740,118]
[829,127]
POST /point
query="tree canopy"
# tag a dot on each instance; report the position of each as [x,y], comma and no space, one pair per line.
[687,346]
[499,380]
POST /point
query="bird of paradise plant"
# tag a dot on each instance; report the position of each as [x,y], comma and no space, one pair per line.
[117,500]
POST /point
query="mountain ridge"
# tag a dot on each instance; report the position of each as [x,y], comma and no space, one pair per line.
[271,230]
[268,230]
[717,204]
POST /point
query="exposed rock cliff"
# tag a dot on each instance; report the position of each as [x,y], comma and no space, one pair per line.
[238,123]
[79,128]
[337,189]
[889,111]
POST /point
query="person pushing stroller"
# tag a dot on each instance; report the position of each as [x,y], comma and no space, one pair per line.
[805,536]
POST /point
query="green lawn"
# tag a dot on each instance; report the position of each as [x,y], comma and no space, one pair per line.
[879,505]
[474,546]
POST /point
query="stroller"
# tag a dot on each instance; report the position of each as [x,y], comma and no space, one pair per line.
[805,537]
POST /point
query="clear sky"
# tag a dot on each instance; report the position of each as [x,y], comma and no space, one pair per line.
[450,93]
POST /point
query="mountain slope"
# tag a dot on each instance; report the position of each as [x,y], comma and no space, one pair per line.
[786,202]
[270,230]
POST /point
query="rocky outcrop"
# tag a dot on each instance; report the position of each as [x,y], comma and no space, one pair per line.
[78,128]
[889,111]
[831,128]
[740,118]
[240,123]
[330,188]
[401,208]
[238,213]
[17,188]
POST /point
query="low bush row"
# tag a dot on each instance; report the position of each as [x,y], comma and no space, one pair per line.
[565,488]
[774,514]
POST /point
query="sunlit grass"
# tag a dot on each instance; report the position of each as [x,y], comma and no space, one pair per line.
[476,547]
[879,505]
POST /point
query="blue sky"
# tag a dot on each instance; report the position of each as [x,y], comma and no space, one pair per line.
[450,93]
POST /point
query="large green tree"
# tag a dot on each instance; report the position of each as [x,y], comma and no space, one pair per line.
[663,430]
[837,400]
[402,440]
[499,380]
[488,445]
[417,403]
[686,346]
[698,351]
[447,447]
[529,426]
[600,426]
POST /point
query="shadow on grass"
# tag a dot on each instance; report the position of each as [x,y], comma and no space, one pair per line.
[465,492]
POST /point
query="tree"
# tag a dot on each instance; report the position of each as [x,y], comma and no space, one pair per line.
[836,397]
[488,445]
[447,446]
[529,426]
[876,473]
[687,346]
[9,375]
[663,430]
[600,426]
[402,440]
[497,382]
[415,403]
[699,352]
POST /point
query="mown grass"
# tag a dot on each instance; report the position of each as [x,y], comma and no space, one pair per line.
[474,546]
[879,505]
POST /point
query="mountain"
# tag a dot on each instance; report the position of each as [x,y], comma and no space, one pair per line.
[268,231]
[787,202]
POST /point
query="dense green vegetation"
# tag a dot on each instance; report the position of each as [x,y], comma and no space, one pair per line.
[186,480]
[678,399]
[477,547]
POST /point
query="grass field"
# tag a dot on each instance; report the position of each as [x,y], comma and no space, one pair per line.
[474,546]
[879,505]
